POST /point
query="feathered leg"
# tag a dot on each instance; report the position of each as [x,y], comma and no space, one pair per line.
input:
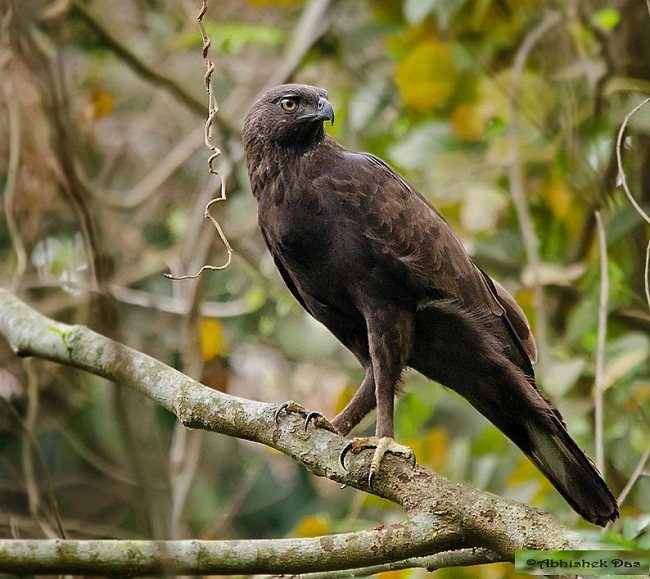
[389,350]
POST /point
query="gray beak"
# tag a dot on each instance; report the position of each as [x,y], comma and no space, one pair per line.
[325,110]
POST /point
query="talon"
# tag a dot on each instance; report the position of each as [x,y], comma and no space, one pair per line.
[413,460]
[347,448]
[371,477]
[382,445]
[282,407]
[312,416]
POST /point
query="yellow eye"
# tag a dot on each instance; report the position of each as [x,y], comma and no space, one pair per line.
[288,104]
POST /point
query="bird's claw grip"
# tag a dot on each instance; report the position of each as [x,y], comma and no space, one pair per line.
[311,416]
[382,446]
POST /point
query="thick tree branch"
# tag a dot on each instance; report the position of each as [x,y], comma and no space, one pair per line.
[212,557]
[441,515]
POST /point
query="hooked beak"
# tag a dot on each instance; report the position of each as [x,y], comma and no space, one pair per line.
[325,110]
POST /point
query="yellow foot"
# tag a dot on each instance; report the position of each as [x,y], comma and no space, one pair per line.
[382,446]
[316,418]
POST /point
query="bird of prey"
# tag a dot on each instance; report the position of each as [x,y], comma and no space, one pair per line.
[370,258]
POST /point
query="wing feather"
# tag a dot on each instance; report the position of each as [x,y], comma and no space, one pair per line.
[405,228]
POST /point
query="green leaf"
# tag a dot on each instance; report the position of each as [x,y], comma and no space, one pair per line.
[607,18]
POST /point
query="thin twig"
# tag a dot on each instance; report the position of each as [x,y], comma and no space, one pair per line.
[530,240]
[628,193]
[101,465]
[13,113]
[233,507]
[29,443]
[29,472]
[164,169]
[600,350]
[638,471]
[646,273]
[619,160]
[184,457]
[460,558]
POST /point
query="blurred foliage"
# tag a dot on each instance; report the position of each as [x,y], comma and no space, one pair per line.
[102,170]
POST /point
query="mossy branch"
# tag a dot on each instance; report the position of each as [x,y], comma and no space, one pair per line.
[440,515]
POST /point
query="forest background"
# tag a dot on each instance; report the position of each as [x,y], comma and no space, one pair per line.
[504,114]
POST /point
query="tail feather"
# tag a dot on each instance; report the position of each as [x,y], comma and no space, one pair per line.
[575,477]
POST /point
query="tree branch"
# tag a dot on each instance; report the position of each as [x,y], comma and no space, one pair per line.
[441,515]
[516,179]
[148,73]
[460,558]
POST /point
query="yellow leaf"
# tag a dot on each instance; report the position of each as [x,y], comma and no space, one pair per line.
[101,104]
[431,448]
[212,339]
[468,122]
[640,396]
[312,526]
[558,197]
[344,396]
[426,75]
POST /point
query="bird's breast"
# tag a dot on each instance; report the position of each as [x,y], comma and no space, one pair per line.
[298,231]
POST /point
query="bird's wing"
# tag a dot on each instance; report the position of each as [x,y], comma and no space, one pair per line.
[286,277]
[403,226]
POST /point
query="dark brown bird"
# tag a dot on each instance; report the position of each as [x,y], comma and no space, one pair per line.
[369,257]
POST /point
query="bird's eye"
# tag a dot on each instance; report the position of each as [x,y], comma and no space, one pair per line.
[289,104]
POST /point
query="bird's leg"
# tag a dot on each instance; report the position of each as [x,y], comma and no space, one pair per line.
[310,416]
[362,402]
[389,351]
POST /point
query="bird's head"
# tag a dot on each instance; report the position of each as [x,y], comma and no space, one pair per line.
[289,114]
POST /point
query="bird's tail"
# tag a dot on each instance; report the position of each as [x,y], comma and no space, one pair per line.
[572,473]
[535,426]
[452,349]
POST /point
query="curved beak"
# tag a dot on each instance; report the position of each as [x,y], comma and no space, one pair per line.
[325,110]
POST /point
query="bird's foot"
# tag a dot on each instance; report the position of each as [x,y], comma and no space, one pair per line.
[311,417]
[382,446]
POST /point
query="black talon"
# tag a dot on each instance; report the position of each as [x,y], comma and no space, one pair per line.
[311,417]
[347,448]
[371,477]
[282,407]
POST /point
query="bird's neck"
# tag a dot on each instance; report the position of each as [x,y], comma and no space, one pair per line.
[278,171]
